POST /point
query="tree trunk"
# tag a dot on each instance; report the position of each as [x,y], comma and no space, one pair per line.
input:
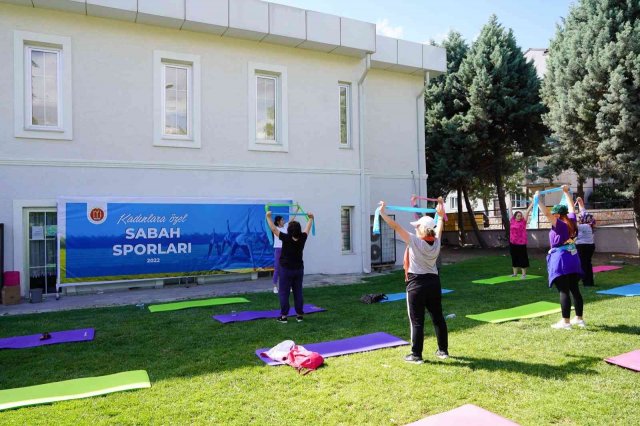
[581,182]
[636,211]
[461,237]
[501,196]
[474,225]
[485,203]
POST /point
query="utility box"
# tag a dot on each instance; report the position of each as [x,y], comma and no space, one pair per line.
[10,295]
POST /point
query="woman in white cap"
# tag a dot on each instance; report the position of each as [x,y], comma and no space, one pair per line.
[423,282]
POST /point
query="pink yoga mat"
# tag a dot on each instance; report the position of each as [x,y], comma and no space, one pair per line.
[630,360]
[466,415]
[68,336]
[605,268]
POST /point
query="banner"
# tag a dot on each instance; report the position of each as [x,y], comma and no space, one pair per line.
[109,239]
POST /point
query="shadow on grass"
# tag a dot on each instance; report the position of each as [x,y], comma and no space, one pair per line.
[580,365]
[622,329]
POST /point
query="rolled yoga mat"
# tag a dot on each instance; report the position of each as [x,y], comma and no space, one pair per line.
[467,414]
[505,279]
[605,268]
[625,290]
[33,340]
[254,315]
[531,310]
[73,389]
[367,342]
[630,360]
[394,297]
[196,304]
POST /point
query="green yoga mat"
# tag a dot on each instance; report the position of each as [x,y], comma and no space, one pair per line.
[505,279]
[73,389]
[196,304]
[531,310]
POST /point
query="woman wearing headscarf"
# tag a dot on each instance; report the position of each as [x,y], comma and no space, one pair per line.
[518,242]
[563,263]
[585,243]
[424,291]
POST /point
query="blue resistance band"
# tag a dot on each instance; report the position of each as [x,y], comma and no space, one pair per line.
[266,224]
[376,217]
[535,210]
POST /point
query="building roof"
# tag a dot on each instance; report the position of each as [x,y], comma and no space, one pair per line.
[265,22]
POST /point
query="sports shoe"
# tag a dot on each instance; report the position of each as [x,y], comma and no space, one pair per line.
[442,354]
[282,320]
[514,275]
[523,277]
[561,325]
[275,289]
[299,318]
[413,359]
[579,323]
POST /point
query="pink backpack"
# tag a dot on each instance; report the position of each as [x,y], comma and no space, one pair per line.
[303,360]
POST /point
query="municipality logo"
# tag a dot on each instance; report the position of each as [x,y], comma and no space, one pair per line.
[96,214]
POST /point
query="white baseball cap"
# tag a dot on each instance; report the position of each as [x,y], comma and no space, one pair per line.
[425,221]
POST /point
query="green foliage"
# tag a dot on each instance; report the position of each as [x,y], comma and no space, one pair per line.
[203,372]
[609,195]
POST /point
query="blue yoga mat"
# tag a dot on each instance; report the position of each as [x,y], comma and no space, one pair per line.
[625,290]
[402,296]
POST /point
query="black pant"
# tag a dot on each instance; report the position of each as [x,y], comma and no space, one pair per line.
[290,279]
[569,284]
[424,292]
[585,251]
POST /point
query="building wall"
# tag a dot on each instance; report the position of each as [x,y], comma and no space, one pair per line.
[112,151]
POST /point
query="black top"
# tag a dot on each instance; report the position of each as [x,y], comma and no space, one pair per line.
[291,256]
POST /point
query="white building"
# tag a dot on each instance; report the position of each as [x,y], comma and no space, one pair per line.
[270,101]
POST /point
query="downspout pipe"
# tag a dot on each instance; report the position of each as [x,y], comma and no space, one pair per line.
[365,238]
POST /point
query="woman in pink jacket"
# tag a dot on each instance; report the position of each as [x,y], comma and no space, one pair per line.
[518,242]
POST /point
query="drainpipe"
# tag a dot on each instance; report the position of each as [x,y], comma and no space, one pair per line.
[365,238]
[420,131]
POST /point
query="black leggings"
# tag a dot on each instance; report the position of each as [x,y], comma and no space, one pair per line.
[424,292]
[585,251]
[569,284]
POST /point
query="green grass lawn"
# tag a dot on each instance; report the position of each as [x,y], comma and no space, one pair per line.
[204,372]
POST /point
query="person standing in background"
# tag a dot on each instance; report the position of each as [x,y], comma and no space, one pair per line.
[585,243]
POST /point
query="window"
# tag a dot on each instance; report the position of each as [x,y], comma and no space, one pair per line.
[177,100]
[42,86]
[346,215]
[345,114]
[268,108]
[518,201]
[453,202]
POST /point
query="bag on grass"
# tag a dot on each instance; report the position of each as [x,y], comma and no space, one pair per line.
[304,360]
[280,352]
[373,298]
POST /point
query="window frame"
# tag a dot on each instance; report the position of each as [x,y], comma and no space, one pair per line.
[24,44]
[279,73]
[162,60]
[276,97]
[348,144]
[518,201]
[350,209]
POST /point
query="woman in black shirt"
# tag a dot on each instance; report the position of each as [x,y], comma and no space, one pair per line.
[291,265]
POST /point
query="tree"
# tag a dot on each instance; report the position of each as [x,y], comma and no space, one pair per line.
[504,114]
[594,93]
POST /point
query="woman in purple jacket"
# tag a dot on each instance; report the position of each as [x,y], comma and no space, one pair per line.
[563,262]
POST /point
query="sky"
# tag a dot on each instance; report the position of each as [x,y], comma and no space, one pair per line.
[532,21]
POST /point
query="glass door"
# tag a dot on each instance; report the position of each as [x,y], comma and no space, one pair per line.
[42,249]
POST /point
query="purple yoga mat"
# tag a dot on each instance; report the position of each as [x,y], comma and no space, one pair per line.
[605,268]
[630,360]
[254,315]
[467,414]
[22,342]
[367,342]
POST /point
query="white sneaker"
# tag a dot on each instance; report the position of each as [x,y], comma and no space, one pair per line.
[523,277]
[561,325]
[275,289]
[579,323]
[514,275]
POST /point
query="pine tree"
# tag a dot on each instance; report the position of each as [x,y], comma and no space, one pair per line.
[592,89]
[504,115]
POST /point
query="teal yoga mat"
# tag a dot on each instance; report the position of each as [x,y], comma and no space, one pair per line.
[531,310]
[196,304]
[73,389]
[505,279]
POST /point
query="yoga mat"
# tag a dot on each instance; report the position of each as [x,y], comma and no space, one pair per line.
[394,297]
[196,304]
[505,279]
[630,360]
[73,389]
[364,343]
[531,310]
[625,290]
[254,315]
[33,340]
[467,415]
[605,268]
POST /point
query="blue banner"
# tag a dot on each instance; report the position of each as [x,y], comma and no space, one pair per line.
[103,240]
